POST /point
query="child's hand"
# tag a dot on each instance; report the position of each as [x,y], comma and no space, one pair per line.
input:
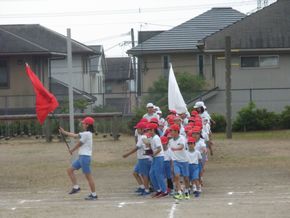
[124,156]
[61,130]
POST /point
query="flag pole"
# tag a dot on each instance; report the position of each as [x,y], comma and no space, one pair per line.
[62,136]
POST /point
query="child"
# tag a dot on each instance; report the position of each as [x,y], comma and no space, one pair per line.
[167,163]
[84,147]
[201,147]
[157,167]
[144,161]
[180,161]
[194,158]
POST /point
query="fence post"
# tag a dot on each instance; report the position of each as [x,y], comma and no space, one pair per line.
[115,128]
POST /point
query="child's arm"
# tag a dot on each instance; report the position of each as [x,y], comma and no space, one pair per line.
[70,134]
[156,152]
[178,148]
[130,152]
[76,147]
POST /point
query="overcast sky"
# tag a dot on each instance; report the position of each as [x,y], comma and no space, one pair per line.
[108,22]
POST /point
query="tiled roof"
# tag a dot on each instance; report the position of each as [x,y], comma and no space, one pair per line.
[118,68]
[185,36]
[267,28]
[34,38]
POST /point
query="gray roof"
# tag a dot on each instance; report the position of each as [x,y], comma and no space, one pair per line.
[35,39]
[118,69]
[267,28]
[145,35]
[186,36]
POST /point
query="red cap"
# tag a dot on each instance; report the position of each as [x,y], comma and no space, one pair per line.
[164,139]
[198,123]
[88,120]
[187,128]
[191,140]
[196,129]
[172,111]
[194,113]
[154,120]
[151,126]
[174,127]
[144,120]
[140,125]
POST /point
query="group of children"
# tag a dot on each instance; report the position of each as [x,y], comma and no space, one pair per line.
[171,152]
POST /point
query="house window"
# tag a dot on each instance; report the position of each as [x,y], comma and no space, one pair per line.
[200,65]
[165,62]
[4,74]
[108,88]
[94,64]
[259,61]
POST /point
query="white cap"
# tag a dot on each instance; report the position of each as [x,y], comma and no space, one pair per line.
[150,105]
[159,112]
[199,104]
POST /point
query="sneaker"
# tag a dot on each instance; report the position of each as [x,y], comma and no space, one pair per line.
[156,194]
[139,190]
[196,194]
[144,193]
[90,197]
[186,196]
[74,190]
[178,196]
[162,194]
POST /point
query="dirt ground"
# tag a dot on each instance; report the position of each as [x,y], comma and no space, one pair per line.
[248,176]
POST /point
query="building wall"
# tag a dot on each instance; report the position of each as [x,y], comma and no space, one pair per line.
[268,88]
[20,93]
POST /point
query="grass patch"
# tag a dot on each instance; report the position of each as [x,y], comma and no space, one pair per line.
[275,134]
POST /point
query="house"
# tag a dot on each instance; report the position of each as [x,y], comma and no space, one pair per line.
[39,47]
[179,46]
[88,74]
[119,79]
[260,58]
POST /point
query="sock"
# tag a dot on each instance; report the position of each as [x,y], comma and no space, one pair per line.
[199,188]
[180,192]
[194,187]
[147,190]
[186,190]
[94,194]
[76,186]
[142,186]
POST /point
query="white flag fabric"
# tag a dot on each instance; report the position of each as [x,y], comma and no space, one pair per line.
[175,99]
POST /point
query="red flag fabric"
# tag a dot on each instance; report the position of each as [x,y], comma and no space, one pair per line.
[45,101]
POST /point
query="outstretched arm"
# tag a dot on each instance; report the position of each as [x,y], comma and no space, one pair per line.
[70,134]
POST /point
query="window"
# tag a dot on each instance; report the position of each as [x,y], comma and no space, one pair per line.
[200,65]
[166,61]
[259,61]
[4,74]
[94,63]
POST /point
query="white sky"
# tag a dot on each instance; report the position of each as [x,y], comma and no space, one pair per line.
[108,22]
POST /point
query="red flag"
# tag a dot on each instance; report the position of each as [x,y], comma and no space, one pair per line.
[45,101]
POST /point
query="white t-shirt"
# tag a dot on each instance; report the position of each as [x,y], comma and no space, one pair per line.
[179,155]
[141,147]
[150,116]
[193,156]
[205,116]
[155,144]
[86,138]
[200,146]
[167,155]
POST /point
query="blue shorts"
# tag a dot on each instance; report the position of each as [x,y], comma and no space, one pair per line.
[180,168]
[193,172]
[167,169]
[144,166]
[137,168]
[83,162]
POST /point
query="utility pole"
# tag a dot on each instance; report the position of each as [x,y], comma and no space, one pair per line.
[136,83]
[70,89]
[228,87]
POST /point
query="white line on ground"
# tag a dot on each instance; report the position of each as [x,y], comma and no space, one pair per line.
[122,204]
[172,210]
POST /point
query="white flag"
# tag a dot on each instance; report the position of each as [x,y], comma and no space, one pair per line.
[175,99]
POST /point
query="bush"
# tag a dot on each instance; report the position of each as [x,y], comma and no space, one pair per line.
[220,123]
[249,119]
[285,118]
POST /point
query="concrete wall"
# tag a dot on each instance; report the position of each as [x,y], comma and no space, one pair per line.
[267,87]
